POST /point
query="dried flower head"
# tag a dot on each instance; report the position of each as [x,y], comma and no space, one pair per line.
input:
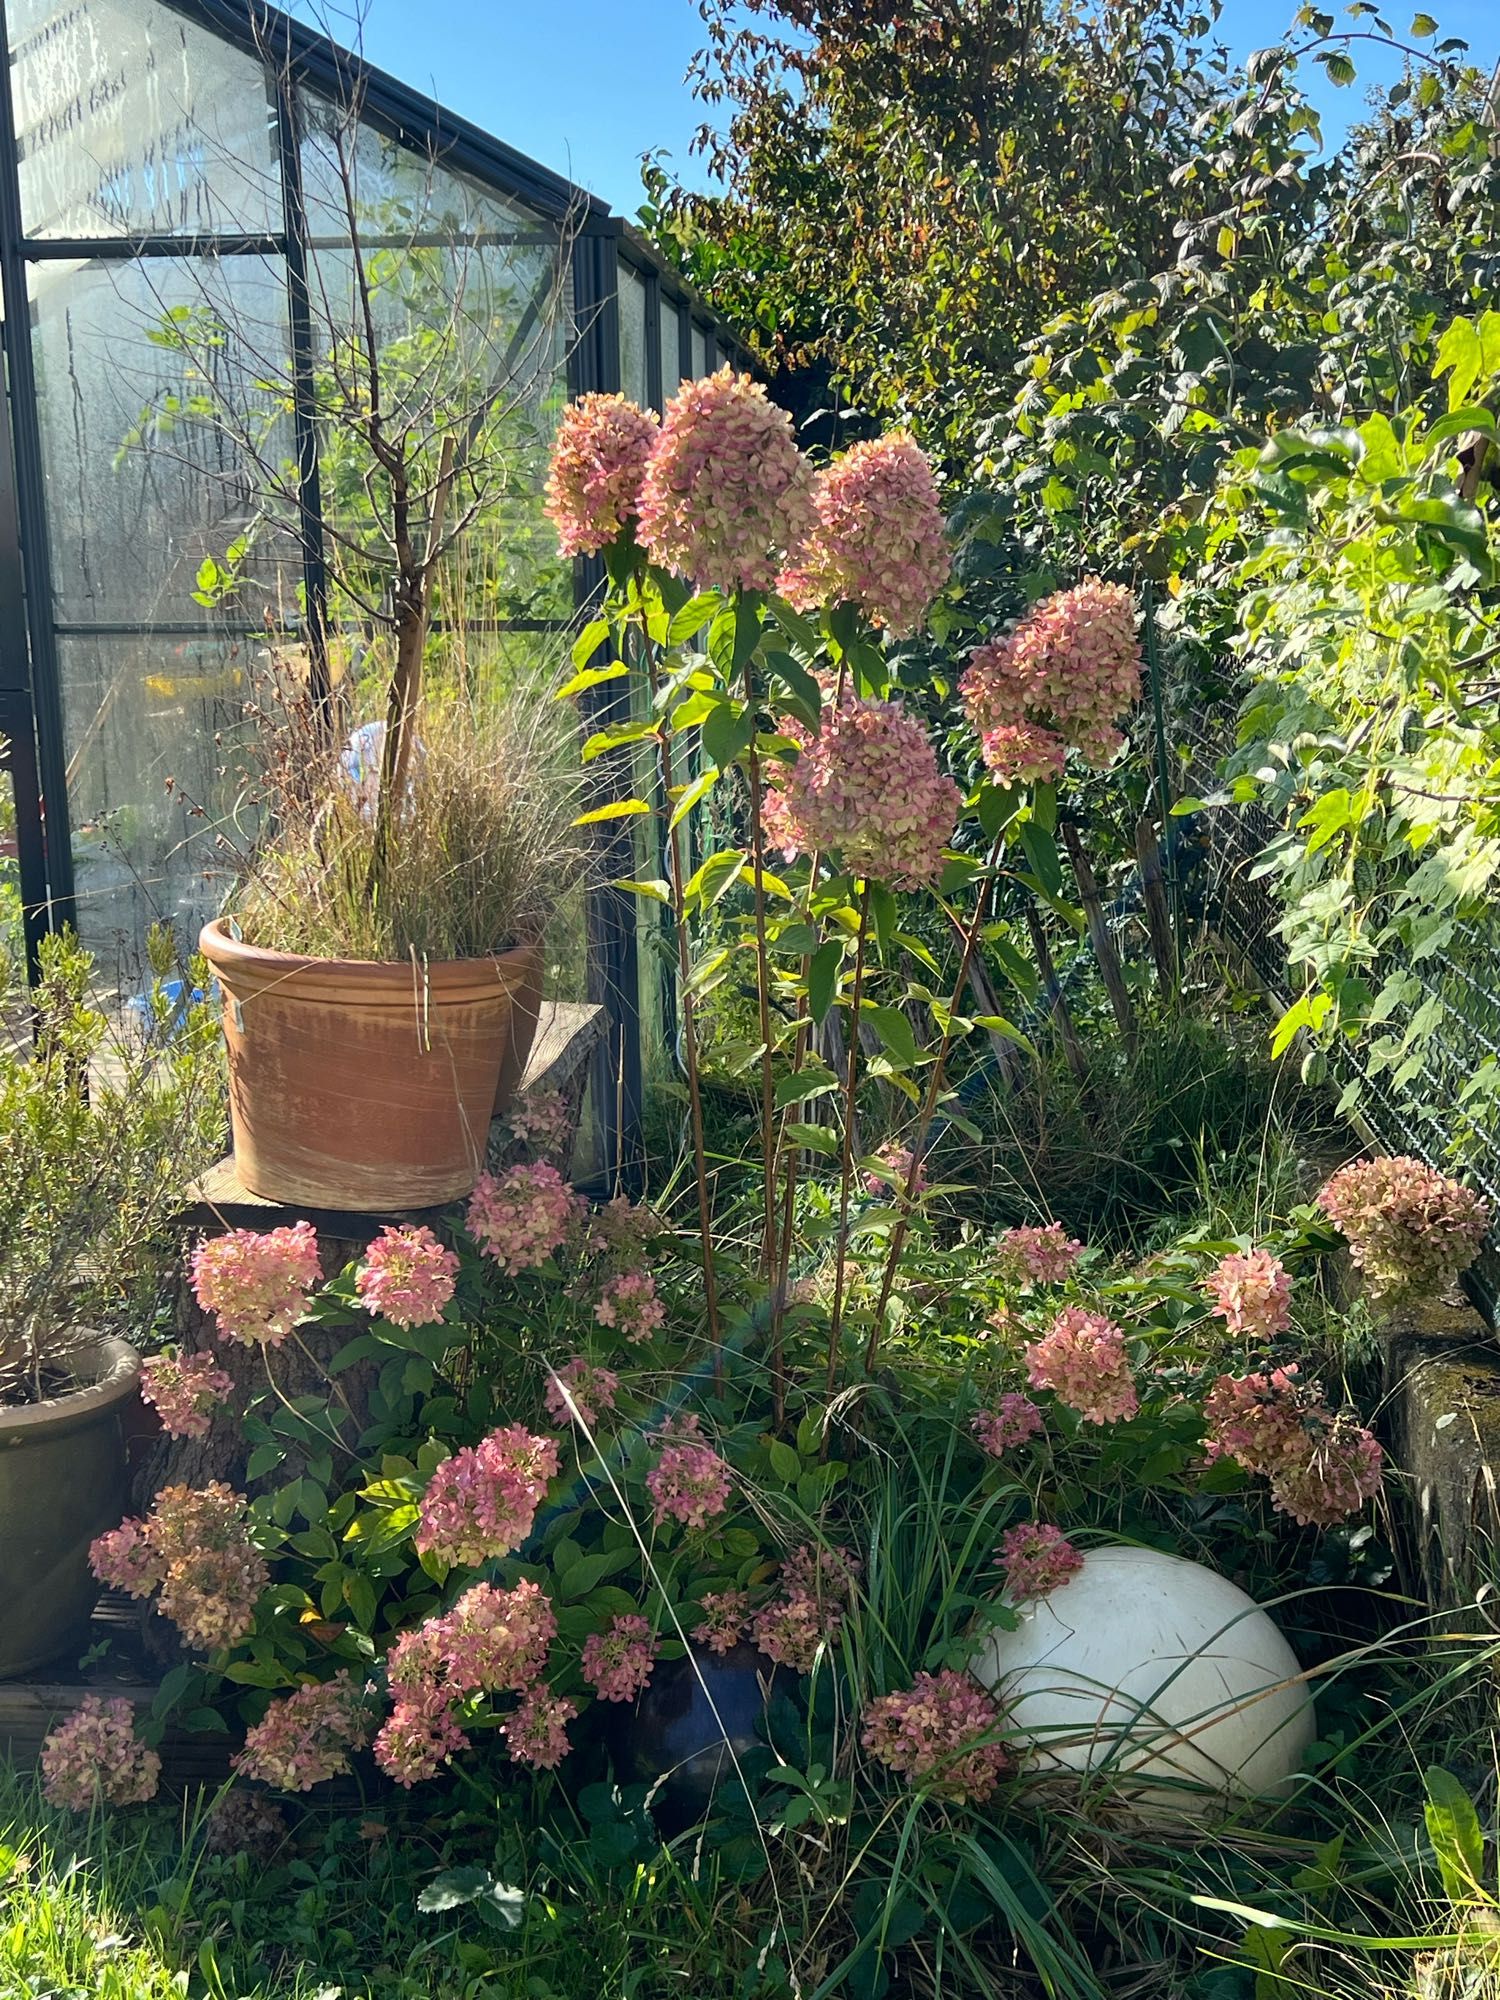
[521,1216]
[536,1731]
[689,1483]
[184,1390]
[1036,1558]
[933,1734]
[628,1304]
[580,1392]
[726,491]
[257,1283]
[877,538]
[725,1620]
[1064,676]
[308,1736]
[866,787]
[598,464]
[1411,1230]
[481,1502]
[1082,1360]
[617,1662]
[96,1758]
[407,1277]
[1013,1421]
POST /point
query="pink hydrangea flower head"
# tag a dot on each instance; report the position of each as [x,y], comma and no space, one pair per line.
[536,1732]
[890,1169]
[308,1736]
[492,1641]
[725,1619]
[521,1216]
[419,1736]
[617,1662]
[689,1483]
[124,1559]
[1041,1256]
[628,1304]
[541,1120]
[932,1734]
[1013,1421]
[1022,753]
[625,1228]
[407,1277]
[1082,1360]
[1411,1230]
[481,1503]
[96,1758]
[1339,1471]
[1251,1292]
[257,1283]
[580,1392]
[1036,1558]
[726,492]
[1068,672]
[877,538]
[212,1573]
[791,1630]
[867,786]
[598,464]
[1261,1420]
[184,1390]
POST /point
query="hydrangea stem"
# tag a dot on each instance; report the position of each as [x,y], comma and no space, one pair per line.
[689,1019]
[907,1200]
[769,1262]
[846,1168]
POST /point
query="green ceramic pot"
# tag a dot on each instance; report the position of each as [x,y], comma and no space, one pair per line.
[62,1482]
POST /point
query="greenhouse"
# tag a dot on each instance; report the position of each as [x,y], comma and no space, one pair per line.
[186,192]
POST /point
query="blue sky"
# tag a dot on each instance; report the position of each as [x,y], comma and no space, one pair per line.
[587,86]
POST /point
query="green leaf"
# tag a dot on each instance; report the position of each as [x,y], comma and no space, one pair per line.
[715,878]
[616,809]
[1454,1830]
[785,1463]
[895,1032]
[588,642]
[591,677]
[265,1458]
[1042,857]
[693,795]
[615,738]
[1469,352]
[655,889]
[691,619]
[883,910]
[812,1080]
[729,732]
[823,978]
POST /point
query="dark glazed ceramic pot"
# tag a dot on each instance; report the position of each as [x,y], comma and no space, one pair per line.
[62,1482]
[682,1737]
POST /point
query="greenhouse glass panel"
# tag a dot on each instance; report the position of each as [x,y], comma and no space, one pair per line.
[162,393]
[130,118]
[671,348]
[634,380]
[467,298]
[139,712]
[700,352]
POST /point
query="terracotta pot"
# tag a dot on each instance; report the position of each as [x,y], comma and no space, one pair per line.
[62,1482]
[523,969]
[355,1085]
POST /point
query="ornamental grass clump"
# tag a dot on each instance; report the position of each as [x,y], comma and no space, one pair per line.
[1411,1230]
[479,849]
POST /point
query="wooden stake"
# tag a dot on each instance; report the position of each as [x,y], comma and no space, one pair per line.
[1158,916]
[1050,986]
[1107,958]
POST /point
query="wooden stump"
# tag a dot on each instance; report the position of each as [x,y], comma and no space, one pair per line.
[1442,1369]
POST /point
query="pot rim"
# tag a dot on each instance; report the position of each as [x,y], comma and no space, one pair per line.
[220,945]
[119,1368]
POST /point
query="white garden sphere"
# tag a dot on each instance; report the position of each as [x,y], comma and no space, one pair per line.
[1156,1676]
